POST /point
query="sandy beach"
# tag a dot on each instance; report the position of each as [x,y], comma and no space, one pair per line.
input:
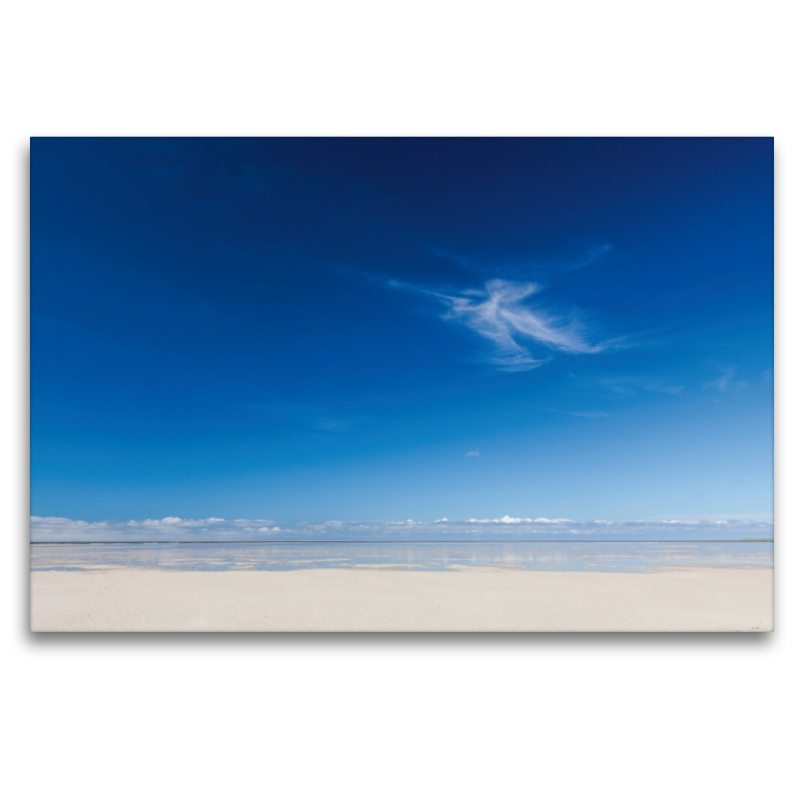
[690,599]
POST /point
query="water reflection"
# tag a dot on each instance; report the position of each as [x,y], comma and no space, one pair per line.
[566,556]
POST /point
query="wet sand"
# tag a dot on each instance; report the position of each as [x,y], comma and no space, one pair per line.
[687,599]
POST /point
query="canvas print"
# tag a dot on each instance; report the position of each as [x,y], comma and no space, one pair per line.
[401,384]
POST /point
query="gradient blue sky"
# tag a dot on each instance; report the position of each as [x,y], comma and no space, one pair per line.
[383,329]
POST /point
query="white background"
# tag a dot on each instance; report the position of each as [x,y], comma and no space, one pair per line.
[393,716]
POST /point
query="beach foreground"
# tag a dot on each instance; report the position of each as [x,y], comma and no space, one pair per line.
[690,599]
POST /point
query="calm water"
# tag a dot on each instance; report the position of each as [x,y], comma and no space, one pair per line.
[577,556]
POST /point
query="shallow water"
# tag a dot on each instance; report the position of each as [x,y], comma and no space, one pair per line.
[566,556]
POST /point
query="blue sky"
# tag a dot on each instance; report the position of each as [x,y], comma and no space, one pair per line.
[392,329]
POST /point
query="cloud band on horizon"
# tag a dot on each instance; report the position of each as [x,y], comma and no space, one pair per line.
[56,530]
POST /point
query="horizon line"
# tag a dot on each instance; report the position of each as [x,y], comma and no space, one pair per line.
[409,541]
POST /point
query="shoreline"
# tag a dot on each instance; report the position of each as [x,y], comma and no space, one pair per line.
[383,600]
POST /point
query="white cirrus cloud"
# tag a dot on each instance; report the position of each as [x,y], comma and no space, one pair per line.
[725,381]
[496,312]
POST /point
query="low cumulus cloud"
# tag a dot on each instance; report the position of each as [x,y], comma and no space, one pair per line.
[175,529]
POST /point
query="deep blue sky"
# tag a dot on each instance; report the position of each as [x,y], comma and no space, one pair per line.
[380,329]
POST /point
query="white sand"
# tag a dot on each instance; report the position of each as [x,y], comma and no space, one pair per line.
[693,599]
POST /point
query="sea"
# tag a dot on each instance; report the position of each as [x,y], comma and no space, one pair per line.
[611,556]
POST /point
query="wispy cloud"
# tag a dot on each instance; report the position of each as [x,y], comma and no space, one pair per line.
[522,265]
[473,454]
[497,312]
[311,418]
[635,384]
[586,414]
[595,254]
[725,381]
